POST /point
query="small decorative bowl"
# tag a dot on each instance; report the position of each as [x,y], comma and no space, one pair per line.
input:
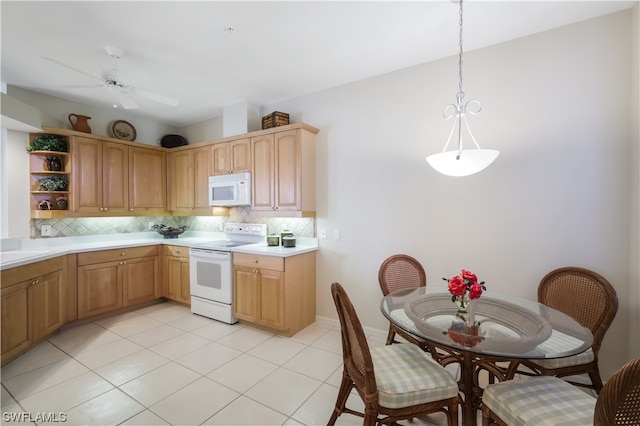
[169,231]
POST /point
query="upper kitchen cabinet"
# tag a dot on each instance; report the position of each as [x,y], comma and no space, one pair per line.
[147,180]
[284,172]
[188,177]
[231,157]
[101,177]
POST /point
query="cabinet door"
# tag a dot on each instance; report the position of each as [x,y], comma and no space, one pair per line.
[240,152]
[263,172]
[245,303]
[45,302]
[287,171]
[220,159]
[99,288]
[140,280]
[181,182]
[87,175]
[15,319]
[271,297]
[147,179]
[177,273]
[201,158]
[115,177]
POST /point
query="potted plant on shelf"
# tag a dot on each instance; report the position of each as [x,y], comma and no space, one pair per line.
[54,183]
[48,143]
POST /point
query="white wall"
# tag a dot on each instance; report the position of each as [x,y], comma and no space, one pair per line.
[634,250]
[148,131]
[557,106]
[14,205]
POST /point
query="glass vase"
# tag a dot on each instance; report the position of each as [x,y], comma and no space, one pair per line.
[463,303]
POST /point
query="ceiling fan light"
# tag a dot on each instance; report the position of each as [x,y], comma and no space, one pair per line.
[462,163]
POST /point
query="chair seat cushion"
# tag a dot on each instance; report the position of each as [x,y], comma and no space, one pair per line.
[569,361]
[542,400]
[406,375]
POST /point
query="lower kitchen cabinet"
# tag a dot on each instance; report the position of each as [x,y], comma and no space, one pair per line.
[111,279]
[277,293]
[176,274]
[31,300]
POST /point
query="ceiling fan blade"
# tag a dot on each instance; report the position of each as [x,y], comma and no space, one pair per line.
[157,97]
[81,86]
[62,64]
[126,100]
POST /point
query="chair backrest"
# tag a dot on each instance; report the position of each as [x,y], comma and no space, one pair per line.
[399,272]
[584,295]
[619,400]
[355,349]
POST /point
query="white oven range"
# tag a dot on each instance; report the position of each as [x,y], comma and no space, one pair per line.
[211,270]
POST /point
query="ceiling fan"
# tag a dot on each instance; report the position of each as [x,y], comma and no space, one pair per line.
[111,80]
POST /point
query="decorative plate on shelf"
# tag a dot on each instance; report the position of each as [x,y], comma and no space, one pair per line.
[124,130]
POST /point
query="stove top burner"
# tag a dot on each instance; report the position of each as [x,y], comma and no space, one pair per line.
[223,244]
[236,235]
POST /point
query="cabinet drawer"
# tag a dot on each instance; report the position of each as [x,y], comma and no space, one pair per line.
[274,263]
[178,251]
[92,257]
[22,273]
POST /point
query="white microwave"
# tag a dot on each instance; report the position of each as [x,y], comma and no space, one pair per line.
[230,190]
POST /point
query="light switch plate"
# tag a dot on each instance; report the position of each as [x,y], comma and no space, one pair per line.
[45,230]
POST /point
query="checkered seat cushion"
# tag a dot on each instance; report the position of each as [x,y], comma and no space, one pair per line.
[406,376]
[543,400]
[553,363]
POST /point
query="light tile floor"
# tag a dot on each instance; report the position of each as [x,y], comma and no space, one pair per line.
[163,365]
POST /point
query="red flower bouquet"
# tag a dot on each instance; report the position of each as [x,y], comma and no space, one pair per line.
[465,286]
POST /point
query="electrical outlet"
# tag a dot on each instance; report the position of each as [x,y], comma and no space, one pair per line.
[323,234]
[45,230]
[151,225]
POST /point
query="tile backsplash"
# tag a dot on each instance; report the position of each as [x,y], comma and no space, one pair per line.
[75,227]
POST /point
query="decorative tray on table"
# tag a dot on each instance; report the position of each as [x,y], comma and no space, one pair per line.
[498,326]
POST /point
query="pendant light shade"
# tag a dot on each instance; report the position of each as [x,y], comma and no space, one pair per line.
[461,162]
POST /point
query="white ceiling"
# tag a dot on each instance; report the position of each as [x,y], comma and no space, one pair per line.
[276,50]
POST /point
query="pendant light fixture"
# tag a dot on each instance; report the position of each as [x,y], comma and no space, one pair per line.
[461,162]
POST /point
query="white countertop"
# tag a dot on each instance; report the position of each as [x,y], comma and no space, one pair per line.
[18,252]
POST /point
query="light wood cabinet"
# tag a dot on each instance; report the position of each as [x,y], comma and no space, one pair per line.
[100,176]
[283,168]
[31,300]
[39,171]
[276,293]
[111,279]
[188,175]
[231,157]
[176,274]
[147,180]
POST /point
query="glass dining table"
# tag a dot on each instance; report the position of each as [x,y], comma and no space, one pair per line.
[493,333]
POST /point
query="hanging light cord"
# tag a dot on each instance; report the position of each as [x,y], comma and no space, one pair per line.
[459,109]
[460,92]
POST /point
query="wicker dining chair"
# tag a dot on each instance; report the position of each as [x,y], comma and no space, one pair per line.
[591,300]
[619,400]
[395,382]
[547,400]
[400,272]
